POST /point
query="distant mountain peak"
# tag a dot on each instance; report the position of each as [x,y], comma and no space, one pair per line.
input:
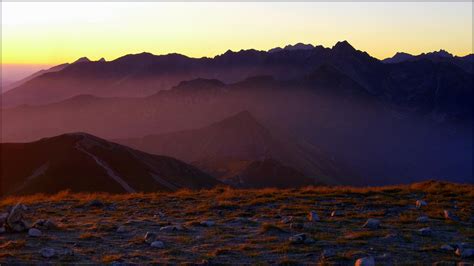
[343,46]
[81,60]
[289,47]
[398,57]
[440,53]
[241,119]
[102,60]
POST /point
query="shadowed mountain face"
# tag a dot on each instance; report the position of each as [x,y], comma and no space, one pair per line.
[220,147]
[83,163]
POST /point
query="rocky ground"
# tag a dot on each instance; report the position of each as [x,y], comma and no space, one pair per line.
[421,223]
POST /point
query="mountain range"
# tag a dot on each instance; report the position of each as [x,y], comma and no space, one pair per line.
[399,120]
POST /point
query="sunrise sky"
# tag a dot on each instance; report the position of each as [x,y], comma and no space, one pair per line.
[37,35]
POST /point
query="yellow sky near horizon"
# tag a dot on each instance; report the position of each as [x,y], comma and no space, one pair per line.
[53,33]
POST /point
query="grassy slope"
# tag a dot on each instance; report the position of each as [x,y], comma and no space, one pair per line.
[91,232]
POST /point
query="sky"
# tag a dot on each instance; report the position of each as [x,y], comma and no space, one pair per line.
[40,35]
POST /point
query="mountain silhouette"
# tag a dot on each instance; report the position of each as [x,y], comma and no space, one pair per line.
[241,138]
[84,163]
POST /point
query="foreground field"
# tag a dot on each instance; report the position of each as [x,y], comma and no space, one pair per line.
[246,226]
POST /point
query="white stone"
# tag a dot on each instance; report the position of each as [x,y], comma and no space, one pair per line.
[47,252]
[157,244]
[34,232]
[336,213]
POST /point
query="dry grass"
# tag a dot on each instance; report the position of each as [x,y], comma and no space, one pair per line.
[249,226]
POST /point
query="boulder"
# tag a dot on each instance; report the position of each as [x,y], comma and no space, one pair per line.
[150,237]
[15,221]
[33,232]
[47,252]
[425,231]
[44,224]
[372,223]
[157,244]
[171,228]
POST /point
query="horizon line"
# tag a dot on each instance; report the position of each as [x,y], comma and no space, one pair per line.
[229,50]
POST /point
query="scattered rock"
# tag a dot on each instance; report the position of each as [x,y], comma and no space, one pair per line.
[287,219]
[366,261]
[336,213]
[68,252]
[420,203]
[122,229]
[207,223]
[423,219]
[45,224]
[297,239]
[313,216]
[448,215]
[15,220]
[465,253]
[150,237]
[171,228]
[159,214]
[3,217]
[447,247]
[157,244]
[425,231]
[328,253]
[296,226]
[34,232]
[372,223]
[47,252]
